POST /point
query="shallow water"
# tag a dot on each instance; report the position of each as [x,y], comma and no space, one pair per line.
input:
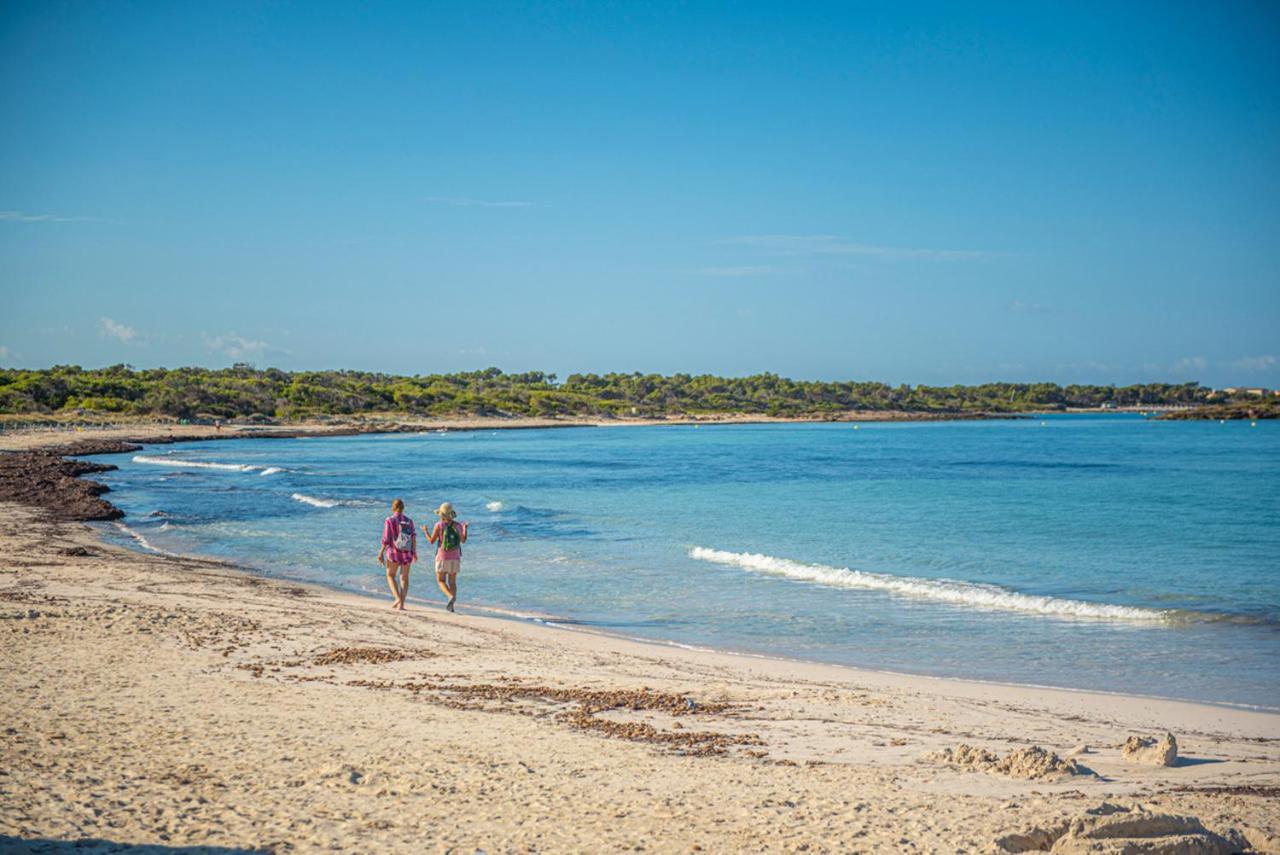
[1101,552]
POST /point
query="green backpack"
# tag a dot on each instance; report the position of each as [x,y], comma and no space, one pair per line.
[449,538]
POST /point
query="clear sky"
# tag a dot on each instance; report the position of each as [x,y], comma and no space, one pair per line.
[909,192]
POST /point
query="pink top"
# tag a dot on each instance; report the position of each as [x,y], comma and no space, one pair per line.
[390,529]
[441,552]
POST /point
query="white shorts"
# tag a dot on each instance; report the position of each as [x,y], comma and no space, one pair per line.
[448,566]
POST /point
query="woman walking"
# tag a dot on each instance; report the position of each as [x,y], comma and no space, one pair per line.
[450,535]
[399,550]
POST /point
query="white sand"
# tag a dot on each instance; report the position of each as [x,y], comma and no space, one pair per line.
[179,702]
[16,438]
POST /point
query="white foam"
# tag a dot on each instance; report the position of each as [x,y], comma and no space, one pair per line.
[179,463]
[969,594]
[315,502]
[271,470]
[494,506]
[143,542]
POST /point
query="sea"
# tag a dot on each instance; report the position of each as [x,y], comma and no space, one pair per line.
[1106,552]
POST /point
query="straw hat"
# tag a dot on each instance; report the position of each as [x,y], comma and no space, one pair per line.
[446,511]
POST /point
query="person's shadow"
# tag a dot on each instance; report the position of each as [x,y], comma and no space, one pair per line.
[97,846]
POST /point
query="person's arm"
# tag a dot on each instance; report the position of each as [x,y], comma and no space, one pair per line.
[386,541]
[433,537]
[463,538]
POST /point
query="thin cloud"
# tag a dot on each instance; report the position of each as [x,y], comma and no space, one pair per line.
[5,352]
[837,245]
[27,217]
[1189,363]
[1102,367]
[124,333]
[1023,307]
[234,345]
[467,202]
[1265,362]
[742,270]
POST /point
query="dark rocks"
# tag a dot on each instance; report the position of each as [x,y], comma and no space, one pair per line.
[45,479]
[85,447]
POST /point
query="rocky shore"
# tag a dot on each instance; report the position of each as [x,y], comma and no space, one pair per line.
[1239,410]
[48,479]
[46,476]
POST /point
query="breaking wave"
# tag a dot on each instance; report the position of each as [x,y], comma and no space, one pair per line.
[142,541]
[493,506]
[970,594]
[179,463]
[271,470]
[316,502]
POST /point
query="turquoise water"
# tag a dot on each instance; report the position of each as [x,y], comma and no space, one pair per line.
[1101,552]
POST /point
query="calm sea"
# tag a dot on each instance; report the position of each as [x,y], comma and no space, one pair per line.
[1100,552]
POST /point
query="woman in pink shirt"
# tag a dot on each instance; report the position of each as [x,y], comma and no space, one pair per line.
[399,550]
[450,535]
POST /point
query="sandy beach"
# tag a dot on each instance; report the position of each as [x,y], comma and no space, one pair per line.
[54,433]
[179,702]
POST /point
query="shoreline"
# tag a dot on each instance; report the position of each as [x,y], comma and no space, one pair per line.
[547,623]
[181,701]
[550,622]
[78,498]
[392,422]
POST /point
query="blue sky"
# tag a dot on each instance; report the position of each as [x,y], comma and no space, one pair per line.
[909,192]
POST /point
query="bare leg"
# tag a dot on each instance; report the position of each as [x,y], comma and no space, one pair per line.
[451,580]
[404,584]
[444,586]
[395,586]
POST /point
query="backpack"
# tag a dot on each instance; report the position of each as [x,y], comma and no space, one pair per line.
[404,534]
[449,537]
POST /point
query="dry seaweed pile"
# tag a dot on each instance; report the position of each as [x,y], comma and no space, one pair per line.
[585,714]
[47,480]
[1261,791]
[368,655]
[338,656]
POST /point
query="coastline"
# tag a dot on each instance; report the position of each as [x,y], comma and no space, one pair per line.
[490,611]
[41,475]
[163,431]
[214,706]
[36,468]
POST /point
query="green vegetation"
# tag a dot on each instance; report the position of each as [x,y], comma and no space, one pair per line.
[245,392]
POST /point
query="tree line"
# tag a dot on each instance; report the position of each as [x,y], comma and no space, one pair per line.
[243,391]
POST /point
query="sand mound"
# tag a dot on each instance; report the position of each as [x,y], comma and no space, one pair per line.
[1151,751]
[1116,829]
[1033,762]
[966,756]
